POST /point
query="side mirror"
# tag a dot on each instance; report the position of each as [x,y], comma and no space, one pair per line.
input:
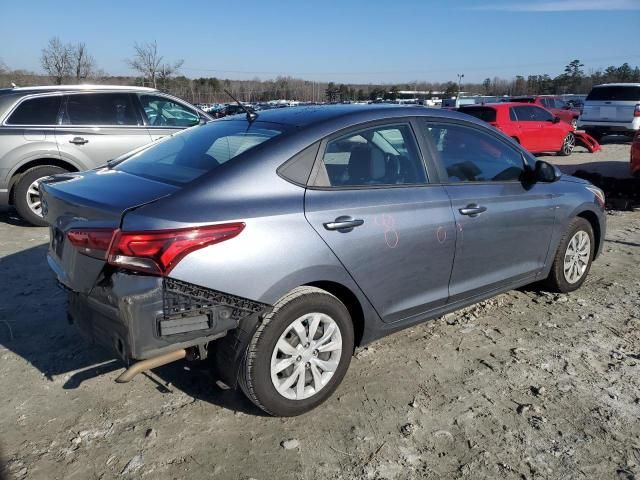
[546,172]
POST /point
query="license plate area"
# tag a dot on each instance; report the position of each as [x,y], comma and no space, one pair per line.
[608,112]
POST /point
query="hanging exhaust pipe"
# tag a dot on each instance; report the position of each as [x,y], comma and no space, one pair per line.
[150,363]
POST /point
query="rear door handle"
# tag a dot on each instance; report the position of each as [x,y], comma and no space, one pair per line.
[472,210]
[78,141]
[343,224]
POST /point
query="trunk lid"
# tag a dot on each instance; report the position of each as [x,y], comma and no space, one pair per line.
[95,199]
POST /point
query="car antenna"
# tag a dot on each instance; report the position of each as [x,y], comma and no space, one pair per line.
[251,116]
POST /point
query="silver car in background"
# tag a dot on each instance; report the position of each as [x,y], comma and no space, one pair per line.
[612,108]
[58,129]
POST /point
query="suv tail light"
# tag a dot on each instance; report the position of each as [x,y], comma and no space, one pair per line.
[636,111]
[155,251]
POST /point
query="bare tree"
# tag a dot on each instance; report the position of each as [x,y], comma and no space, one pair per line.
[166,70]
[56,60]
[3,67]
[148,62]
[83,63]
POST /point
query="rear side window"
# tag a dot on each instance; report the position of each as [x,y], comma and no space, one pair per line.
[100,109]
[613,93]
[469,155]
[483,113]
[384,155]
[37,111]
[190,154]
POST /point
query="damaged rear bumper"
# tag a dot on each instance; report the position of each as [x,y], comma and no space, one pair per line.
[139,316]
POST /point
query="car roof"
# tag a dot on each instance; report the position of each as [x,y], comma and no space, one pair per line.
[499,105]
[617,85]
[314,114]
[67,88]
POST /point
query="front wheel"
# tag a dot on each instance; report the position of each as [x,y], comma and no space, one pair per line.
[299,354]
[27,193]
[573,258]
[567,145]
[574,123]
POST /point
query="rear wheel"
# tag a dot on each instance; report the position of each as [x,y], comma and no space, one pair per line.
[567,145]
[299,353]
[27,193]
[573,258]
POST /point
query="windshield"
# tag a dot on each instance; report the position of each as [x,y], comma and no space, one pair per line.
[192,153]
[620,93]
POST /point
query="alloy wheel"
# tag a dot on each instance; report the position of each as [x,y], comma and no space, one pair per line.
[568,144]
[33,197]
[576,257]
[306,356]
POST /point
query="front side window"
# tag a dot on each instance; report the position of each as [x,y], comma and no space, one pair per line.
[37,111]
[164,112]
[532,114]
[470,155]
[542,115]
[384,155]
[99,109]
[190,154]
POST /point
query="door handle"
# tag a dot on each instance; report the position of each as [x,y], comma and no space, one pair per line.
[78,141]
[343,224]
[472,210]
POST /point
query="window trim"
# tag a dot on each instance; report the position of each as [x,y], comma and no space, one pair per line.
[395,121]
[442,172]
[25,98]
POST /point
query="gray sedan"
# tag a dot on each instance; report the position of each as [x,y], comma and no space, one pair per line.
[278,244]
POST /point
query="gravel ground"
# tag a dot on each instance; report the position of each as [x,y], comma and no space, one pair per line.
[528,385]
[612,161]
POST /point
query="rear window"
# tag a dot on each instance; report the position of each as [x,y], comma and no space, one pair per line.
[620,93]
[483,113]
[37,111]
[192,153]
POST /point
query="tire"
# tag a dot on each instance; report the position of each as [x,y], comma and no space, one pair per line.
[567,145]
[24,198]
[258,372]
[558,280]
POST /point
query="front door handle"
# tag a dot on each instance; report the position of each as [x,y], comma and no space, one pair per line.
[78,141]
[343,224]
[472,210]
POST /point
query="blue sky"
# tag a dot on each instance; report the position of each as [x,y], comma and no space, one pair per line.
[366,41]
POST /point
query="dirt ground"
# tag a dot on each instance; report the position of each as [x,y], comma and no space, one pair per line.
[528,385]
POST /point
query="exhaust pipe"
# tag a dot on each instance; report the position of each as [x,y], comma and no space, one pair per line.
[150,363]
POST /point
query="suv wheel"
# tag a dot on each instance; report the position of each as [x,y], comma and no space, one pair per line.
[299,354]
[567,145]
[573,258]
[27,194]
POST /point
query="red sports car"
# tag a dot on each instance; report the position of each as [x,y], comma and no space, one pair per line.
[635,156]
[555,105]
[535,128]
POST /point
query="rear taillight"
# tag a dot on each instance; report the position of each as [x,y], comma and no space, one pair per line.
[155,252]
[94,243]
[636,111]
